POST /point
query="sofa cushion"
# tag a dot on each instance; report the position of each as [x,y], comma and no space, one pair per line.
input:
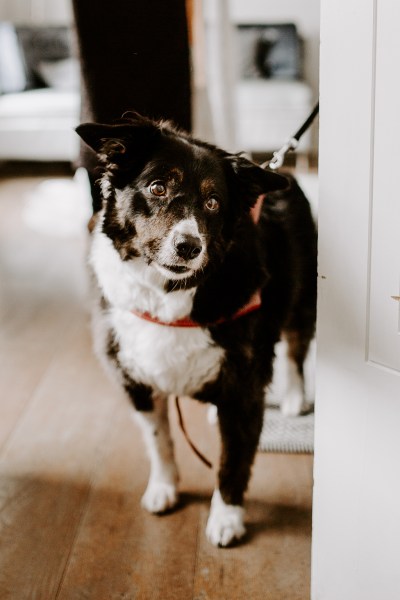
[60,74]
[43,103]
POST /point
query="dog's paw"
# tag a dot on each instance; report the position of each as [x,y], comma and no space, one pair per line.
[160,497]
[225,523]
[212,414]
[292,404]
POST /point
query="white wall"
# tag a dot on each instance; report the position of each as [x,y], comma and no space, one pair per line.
[44,12]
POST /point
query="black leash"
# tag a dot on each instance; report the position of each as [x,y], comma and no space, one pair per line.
[292,143]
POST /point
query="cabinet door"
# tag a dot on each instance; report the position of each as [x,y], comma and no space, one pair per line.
[356,535]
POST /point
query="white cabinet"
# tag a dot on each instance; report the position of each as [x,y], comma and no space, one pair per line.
[269,112]
[258,115]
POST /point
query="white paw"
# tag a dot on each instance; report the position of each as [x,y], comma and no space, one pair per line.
[225,523]
[212,414]
[292,403]
[159,497]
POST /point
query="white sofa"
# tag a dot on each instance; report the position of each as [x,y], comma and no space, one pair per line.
[38,125]
[39,93]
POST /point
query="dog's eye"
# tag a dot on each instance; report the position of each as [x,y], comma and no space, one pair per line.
[212,204]
[157,188]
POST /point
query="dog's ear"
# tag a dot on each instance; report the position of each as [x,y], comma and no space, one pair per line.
[115,143]
[251,181]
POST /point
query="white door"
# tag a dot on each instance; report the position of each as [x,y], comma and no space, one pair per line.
[356,535]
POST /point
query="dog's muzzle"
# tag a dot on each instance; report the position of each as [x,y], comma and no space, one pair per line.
[183,252]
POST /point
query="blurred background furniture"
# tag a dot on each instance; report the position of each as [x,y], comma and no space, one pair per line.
[272,98]
[262,66]
[38,125]
[39,93]
[255,114]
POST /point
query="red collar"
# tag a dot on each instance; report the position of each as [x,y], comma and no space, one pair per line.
[255,211]
[253,304]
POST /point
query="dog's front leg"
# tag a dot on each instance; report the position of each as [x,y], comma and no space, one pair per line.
[161,493]
[240,428]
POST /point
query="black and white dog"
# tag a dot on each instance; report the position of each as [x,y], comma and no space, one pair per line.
[194,291]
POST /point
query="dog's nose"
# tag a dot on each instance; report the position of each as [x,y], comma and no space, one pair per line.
[187,246]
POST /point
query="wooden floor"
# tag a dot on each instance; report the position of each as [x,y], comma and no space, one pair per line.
[73,469]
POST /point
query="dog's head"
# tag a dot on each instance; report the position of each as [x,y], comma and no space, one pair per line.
[170,199]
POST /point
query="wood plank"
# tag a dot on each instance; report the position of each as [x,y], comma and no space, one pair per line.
[273,563]
[145,556]
[46,469]
[42,291]
[24,360]
[169,557]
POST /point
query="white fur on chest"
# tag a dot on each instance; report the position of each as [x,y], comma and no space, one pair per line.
[172,360]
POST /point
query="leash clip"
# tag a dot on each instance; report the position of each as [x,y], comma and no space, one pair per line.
[291,144]
[279,156]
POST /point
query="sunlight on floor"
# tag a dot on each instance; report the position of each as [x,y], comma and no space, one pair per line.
[59,207]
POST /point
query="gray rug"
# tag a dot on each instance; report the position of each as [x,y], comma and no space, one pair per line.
[287,434]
